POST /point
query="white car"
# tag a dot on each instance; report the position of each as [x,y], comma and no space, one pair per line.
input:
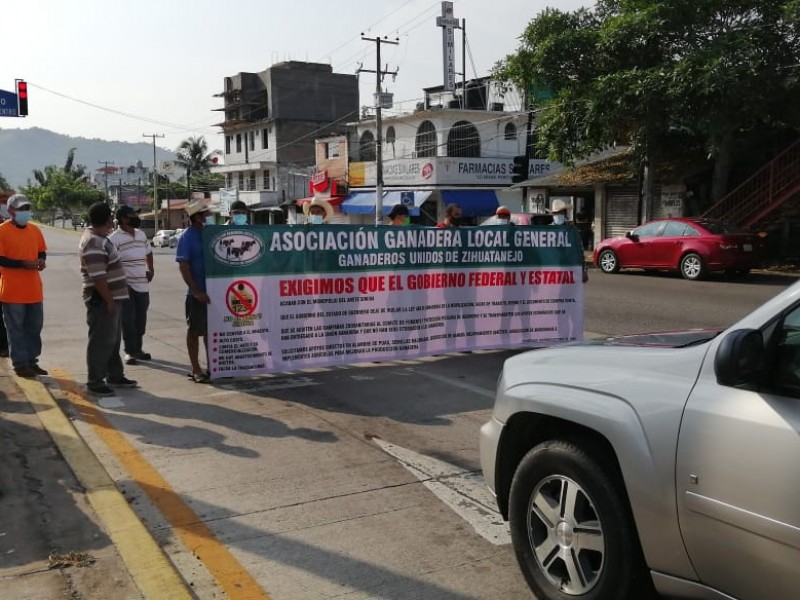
[162,237]
[173,241]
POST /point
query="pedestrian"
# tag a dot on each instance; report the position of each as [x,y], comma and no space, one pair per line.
[23,255]
[105,288]
[452,216]
[3,334]
[318,211]
[503,215]
[559,210]
[191,262]
[239,214]
[399,215]
[137,262]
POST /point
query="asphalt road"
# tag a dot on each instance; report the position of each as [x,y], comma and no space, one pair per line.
[354,482]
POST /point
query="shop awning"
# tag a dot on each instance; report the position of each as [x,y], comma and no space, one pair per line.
[363,203]
[473,203]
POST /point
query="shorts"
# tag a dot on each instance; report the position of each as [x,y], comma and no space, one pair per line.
[196,316]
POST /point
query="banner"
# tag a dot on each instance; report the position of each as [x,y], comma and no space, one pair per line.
[290,297]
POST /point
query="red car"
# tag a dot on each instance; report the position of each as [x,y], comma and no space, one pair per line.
[693,247]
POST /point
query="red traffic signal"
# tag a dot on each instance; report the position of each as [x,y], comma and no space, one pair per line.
[22,98]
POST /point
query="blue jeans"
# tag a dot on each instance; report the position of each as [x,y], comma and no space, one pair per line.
[24,328]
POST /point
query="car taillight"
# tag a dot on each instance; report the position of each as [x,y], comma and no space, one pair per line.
[727,246]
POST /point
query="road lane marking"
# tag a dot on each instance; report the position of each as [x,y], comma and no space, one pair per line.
[148,565]
[457,383]
[464,491]
[231,576]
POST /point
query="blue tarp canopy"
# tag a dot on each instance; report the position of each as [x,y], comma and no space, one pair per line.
[363,203]
[473,203]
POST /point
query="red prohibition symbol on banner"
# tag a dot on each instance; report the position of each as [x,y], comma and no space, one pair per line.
[241,298]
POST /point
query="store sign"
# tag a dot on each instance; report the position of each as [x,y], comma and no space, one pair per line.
[442,170]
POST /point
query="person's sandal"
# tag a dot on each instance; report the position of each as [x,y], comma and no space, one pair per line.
[200,377]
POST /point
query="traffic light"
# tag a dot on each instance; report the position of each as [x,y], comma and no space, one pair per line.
[520,170]
[22,98]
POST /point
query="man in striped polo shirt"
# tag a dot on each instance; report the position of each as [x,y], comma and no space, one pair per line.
[104,289]
[137,262]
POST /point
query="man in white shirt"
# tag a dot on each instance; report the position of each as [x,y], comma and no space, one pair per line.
[137,261]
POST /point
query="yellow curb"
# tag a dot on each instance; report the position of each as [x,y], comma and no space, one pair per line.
[229,574]
[147,564]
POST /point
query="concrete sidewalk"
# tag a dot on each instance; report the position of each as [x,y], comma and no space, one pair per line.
[61,516]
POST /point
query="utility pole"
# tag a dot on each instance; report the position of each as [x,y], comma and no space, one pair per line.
[105,164]
[156,207]
[379,124]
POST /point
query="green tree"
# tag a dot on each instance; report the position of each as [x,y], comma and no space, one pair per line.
[650,72]
[4,184]
[193,155]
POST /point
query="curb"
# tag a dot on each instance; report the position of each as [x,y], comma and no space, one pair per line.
[146,562]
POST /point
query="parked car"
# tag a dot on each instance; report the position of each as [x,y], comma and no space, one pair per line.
[173,241]
[692,247]
[162,237]
[672,455]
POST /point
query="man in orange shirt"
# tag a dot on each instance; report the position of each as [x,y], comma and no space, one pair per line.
[22,256]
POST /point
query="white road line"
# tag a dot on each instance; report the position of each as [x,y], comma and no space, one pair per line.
[463,491]
[457,383]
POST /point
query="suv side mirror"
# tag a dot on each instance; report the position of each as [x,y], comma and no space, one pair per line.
[738,359]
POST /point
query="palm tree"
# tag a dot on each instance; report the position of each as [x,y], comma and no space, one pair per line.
[193,155]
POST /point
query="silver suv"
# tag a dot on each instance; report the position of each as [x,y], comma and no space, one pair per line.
[663,461]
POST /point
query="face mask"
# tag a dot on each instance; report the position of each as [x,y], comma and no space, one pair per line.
[210,220]
[455,221]
[502,220]
[135,222]
[559,219]
[316,219]
[239,219]
[22,216]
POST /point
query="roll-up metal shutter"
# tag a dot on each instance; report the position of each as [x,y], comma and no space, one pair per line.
[622,211]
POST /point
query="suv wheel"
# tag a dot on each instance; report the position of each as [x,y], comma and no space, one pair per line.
[608,261]
[571,527]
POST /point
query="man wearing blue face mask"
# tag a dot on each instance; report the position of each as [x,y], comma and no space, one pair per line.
[239,216]
[23,255]
[191,263]
[318,211]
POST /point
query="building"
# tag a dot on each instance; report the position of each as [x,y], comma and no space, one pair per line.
[271,120]
[457,146]
[131,185]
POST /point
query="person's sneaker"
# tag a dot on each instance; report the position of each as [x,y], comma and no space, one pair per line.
[26,372]
[122,382]
[143,355]
[130,360]
[39,370]
[99,389]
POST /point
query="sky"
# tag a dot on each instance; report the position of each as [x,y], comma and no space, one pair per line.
[118,70]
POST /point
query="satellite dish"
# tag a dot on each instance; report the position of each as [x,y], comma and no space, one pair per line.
[167,167]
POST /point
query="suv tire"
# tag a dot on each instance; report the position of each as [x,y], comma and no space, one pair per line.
[568,513]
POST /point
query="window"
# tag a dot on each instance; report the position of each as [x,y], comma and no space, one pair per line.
[264,138]
[238,142]
[510,132]
[251,181]
[228,180]
[390,135]
[649,230]
[227,144]
[463,140]
[425,143]
[252,140]
[366,150]
[691,231]
[241,180]
[265,185]
[674,229]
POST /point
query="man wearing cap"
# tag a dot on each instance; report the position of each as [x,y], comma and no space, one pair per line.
[239,214]
[502,215]
[318,211]
[137,262]
[559,210]
[399,215]
[105,288]
[191,262]
[23,254]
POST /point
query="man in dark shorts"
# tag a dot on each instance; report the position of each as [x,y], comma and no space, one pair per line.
[191,263]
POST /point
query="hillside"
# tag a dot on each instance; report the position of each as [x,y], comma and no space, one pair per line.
[23,150]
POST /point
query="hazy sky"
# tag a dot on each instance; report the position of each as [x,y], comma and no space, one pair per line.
[153,66]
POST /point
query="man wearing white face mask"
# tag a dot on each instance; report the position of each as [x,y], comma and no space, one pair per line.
[559,212]
[23,255]
[191,263]
[239,215]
